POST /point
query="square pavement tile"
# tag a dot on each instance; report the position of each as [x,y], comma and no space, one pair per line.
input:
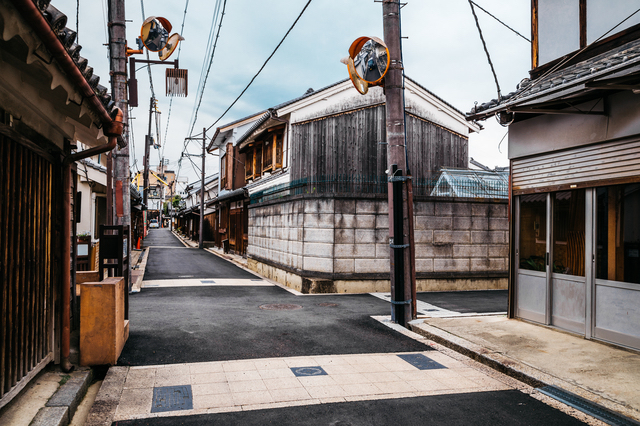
[421,362]
[172,398]
[308,371]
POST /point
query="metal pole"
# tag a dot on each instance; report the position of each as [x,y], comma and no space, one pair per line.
[121,175]
[399,229]
[147,143]
[204,144]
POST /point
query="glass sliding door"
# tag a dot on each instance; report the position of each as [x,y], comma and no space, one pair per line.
[617,283]
[568,283]
[531,257]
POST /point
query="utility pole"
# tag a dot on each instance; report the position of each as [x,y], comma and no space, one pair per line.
[400,229]
[204,144]
[120,157]
[147,143]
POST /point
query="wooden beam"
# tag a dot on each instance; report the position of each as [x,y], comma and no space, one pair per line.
[534,34]
[554,111]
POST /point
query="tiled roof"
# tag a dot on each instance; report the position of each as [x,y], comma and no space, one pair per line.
[573,76]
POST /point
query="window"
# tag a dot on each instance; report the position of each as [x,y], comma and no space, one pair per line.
[248,165]
[265,156]
[618,233]
[533,232]
[223,171]
[568,232]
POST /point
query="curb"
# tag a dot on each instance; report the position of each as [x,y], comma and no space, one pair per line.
[514,368]
[104,407]
[62,406]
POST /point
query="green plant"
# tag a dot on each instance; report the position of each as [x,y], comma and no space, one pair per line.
[64,379]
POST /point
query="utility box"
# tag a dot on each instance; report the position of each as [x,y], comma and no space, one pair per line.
[103,328]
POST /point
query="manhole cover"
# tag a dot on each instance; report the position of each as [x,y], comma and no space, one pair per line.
[280,307]
[327,305]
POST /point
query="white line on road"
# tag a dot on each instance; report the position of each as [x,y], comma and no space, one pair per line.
[429,310]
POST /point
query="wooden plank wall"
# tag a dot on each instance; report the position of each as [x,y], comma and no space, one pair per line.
[349,144]
[28,206]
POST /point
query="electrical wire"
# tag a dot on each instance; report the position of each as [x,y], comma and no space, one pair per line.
[206,74]
[184,16]
[261,68]
[561,63]
[484,44]
[488,13]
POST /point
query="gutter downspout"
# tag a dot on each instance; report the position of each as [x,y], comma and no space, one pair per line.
[112,127]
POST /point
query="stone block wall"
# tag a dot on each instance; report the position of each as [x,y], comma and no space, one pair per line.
[342,245]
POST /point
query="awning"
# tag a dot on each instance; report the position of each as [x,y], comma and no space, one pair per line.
[236,193]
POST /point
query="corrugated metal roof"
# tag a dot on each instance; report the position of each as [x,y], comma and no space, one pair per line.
[471,183]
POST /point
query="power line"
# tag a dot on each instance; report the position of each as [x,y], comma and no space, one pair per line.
[204,78]
[488,13]
[262,67]
[166,130]
[484,44]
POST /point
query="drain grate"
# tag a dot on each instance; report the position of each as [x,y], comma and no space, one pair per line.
[421,362]
[280,307]
[308,371]
[172,398]
[586,406]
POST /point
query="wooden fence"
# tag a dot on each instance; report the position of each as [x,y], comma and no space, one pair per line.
[29,194]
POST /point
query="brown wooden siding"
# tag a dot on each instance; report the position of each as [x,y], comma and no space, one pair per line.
[353,144]
[28,206]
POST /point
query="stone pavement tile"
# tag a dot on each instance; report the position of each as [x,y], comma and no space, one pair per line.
[140,378]
[210,389]
[362,389]
[395,387]
[247,386]
[282,383]
[213,401]
[290,394]
[470,372]
[407,376]
[270,364]
[338,369]
[285,404]
[172,370]
[398,365]
[134,402]
[360,359]
[459,383]
[305,361]
[276,373]
[324,392]
[223,409]
[251,398]
[350,379]
[237,376]
[329,360]
[332,400]
[229,366]
[172,380]
[381,377]
[427,385]
[197,379]
[442,373]
[312,381]
[205,367]
[369,368]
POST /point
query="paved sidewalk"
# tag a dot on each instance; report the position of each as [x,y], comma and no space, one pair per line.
[540,356]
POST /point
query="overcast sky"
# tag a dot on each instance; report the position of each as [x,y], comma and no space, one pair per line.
[442,52]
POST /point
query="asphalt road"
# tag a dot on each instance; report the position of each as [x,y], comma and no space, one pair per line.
[483,408]
[194,324]
[170,259]
[174,325]
[485,301]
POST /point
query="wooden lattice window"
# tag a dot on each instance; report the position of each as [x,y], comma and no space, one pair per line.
[267,154]
[278,150]
[248,165]
[223,171]
[257,165]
